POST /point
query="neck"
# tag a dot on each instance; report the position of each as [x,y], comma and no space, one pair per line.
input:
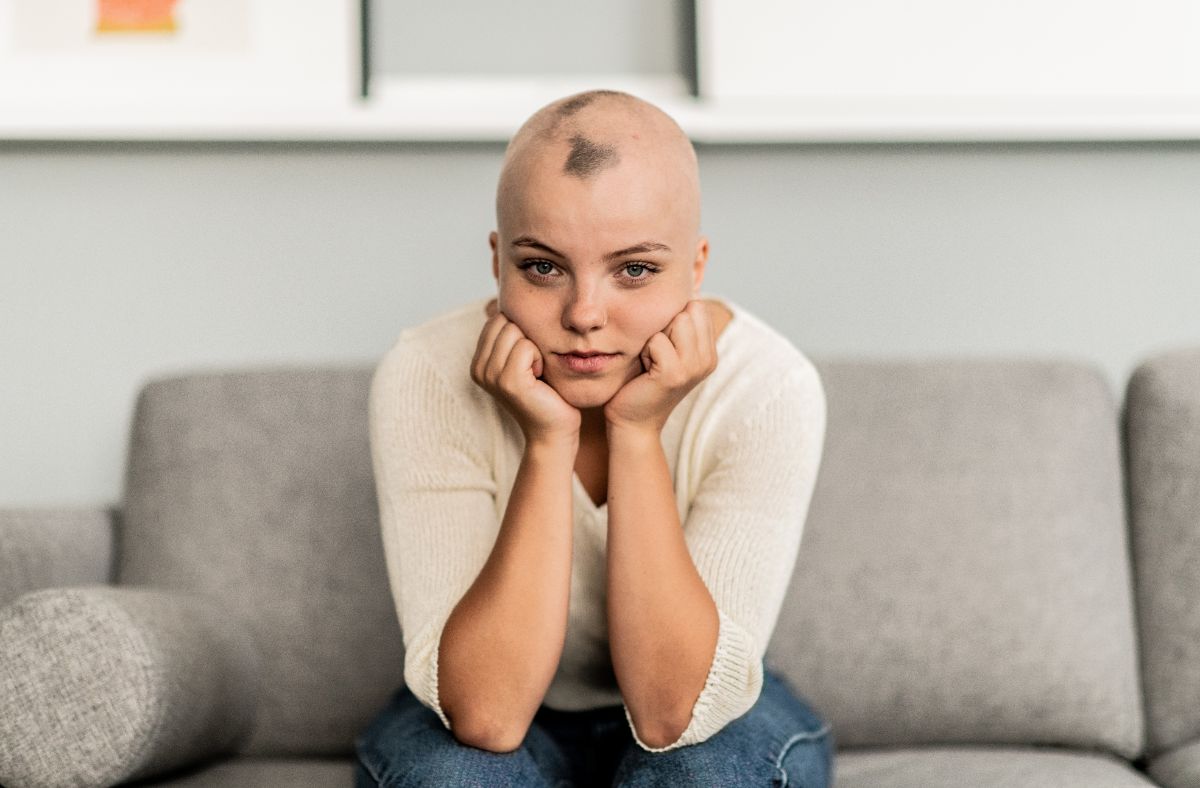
[592,426]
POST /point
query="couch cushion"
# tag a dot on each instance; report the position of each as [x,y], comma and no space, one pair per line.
[249,772]
[1178,768]
[99,684]
[52,547]
[256,488]
[1162,420]
[983,767]
[963,576]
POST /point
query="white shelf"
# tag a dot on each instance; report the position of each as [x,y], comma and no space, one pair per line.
[479,111]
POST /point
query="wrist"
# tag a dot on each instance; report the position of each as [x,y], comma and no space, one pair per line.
[625,432]
[558,445]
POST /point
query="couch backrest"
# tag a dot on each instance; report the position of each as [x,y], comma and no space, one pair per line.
[256,487]
[963,575]
[1162,423]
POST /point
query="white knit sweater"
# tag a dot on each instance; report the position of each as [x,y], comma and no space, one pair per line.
[743,448]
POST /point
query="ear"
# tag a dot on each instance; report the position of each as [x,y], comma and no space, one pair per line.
[700,262]
[494,242]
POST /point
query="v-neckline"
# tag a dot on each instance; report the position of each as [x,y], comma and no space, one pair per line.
[734,318]
[581,491]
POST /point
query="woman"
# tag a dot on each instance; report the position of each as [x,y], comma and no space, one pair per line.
[592,490]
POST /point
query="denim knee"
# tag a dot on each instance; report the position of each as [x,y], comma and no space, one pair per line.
[806,757]
[407,745]
[806,760]
[710,762]
[452,764]
[780,741]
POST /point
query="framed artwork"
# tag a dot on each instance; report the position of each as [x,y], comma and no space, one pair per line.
[67,56]
[1101,68]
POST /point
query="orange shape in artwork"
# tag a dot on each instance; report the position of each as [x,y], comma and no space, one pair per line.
[136,16]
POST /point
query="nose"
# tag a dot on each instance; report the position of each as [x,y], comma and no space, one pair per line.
[585,311]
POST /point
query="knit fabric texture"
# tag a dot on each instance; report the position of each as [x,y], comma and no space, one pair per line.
[743,449]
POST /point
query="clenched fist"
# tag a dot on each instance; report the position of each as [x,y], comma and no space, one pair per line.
[675,360]
[508,365]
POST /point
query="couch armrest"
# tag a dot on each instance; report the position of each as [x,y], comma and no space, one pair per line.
[49,548]
[1177,768]
[101,684]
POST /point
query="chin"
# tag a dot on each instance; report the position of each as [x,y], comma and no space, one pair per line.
[582,394]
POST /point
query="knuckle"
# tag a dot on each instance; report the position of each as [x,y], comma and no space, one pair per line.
[507,380]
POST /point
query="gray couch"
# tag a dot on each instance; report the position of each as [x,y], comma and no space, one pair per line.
[998,585]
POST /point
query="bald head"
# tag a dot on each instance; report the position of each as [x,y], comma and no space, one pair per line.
[586,134]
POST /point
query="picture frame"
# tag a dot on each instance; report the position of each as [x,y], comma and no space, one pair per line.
[62,58]
[943,69]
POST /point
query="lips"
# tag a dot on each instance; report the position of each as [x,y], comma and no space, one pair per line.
[589,362]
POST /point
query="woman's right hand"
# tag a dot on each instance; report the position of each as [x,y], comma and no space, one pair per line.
[507,365]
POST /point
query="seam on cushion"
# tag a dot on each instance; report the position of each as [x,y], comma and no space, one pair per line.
[805,736]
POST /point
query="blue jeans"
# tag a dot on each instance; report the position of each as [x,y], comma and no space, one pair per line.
[780,741]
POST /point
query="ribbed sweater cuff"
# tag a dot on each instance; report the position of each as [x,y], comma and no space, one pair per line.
[732,687]
[423,679]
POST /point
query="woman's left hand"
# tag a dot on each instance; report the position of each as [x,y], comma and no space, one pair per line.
[675,360]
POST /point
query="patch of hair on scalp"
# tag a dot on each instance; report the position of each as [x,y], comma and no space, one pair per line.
[587,158]
[571,106]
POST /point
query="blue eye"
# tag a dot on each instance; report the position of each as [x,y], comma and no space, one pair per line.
[638,273]
[538,269]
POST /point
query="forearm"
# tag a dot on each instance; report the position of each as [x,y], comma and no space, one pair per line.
[662,621]
[501,645]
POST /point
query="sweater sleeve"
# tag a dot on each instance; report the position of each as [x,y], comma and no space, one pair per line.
[743,532]
[436,492]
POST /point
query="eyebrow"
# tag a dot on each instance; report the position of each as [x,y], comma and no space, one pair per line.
[642,248]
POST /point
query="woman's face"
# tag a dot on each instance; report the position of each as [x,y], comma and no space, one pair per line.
[597,265]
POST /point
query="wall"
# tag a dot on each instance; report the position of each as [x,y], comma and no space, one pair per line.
[122,262]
